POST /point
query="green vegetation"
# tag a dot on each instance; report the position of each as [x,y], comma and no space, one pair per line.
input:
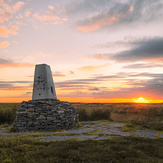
[8,112]
[20,149]
[149,116]
[28,149]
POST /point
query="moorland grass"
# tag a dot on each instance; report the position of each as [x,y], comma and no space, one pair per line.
[149,116]
[20,149]
[24,149]
[8,112]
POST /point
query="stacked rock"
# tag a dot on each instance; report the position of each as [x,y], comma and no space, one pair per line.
[45,114]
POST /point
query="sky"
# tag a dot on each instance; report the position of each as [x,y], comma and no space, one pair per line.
[107,51]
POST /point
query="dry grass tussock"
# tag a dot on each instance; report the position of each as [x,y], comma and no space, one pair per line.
[145,115]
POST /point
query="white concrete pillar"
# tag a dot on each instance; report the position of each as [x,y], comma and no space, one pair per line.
[43,87]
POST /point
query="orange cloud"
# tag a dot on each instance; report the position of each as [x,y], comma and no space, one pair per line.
[4,32]
[59,75]
[17,88]
[16,65]
[97,24]
[51,8]
[18,5]
[4,44]
[5,12]
[91,67]
[45,17]
[1,2]
[131,8]
[28,13]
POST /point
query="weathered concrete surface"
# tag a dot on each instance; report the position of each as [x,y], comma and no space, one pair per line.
[146,134]
[43,86]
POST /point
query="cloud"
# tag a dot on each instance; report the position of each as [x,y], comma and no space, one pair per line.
[4,63]
[103,14]
[91,67]
[143,65]
[148,88]
[144,50]
[28,12]
[5,32]
[28,93]
[71,72]
[51,8]
[94,89]
[4,44]
[49,17]
[13,85]
[18,5]
[94,25]
[8,11]
[58,74]
[46,17]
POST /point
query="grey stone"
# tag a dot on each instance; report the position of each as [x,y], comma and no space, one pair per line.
[81,131]
[58,138]
[161,136]
[45,114]
[45,133]
[87,137]
[3,131]
[146,134]
[86,123]
[102,138]
[98,124]
[116,124]
[107,130]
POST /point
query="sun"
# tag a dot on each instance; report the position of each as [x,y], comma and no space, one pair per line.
[141,100]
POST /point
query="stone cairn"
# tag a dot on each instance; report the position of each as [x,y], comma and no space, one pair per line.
[45,114]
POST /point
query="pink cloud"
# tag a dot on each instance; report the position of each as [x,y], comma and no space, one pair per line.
[49,17]
[1,2]
[28,13]
[4,32]
[98,56]
[4,44]
[51,8]
[45,17]
[92,67]
[5,12]
[16,65]
[18,5]
[92,26]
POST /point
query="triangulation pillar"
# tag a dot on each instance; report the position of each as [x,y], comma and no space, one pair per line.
[43,87]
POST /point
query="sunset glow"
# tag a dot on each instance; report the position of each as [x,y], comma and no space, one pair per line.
[99,51]
[141,100]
